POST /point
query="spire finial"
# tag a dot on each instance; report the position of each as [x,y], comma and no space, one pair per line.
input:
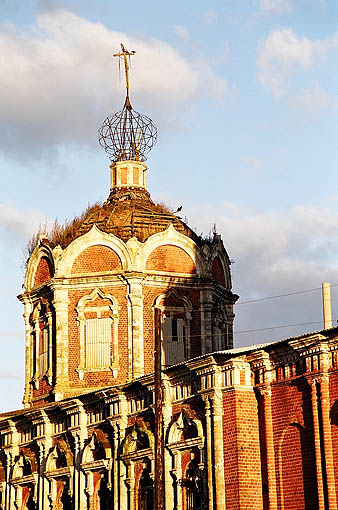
[124,55]
[127,135]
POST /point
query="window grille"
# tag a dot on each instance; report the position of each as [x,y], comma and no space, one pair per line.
[43,356]
[173,340]
[193,486]
[98,340]
[146,492]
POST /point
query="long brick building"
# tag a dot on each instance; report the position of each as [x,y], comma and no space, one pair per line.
[248,428]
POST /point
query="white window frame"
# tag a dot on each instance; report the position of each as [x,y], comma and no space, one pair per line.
[87,304]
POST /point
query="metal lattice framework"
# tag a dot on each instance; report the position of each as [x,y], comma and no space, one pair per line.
[127,135]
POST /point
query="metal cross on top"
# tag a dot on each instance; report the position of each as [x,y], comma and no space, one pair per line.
[124,54]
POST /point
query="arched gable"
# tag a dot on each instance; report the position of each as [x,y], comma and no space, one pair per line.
[92,238]
[97,258]
[172,259]
[40,268]
[175,239]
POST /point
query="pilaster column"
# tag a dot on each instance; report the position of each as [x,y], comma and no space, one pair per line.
[217,420]
[209,451]
[330,476]
[50,347]
[206,330]
[79,476]
[270,450]
[178,468]
[36,367]
[135,311]
[61,303]
[318,454]
[115,472]
[121,497]
[42,501]
[9,487]
[29,354]
[167,416]
[131,483]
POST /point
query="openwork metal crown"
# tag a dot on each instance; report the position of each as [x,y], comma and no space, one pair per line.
[127,135]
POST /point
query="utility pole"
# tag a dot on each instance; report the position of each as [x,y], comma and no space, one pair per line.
[158,414]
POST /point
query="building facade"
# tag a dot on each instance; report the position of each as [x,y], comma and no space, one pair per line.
[254,428]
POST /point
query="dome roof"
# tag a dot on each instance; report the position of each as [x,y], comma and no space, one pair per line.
[130,212]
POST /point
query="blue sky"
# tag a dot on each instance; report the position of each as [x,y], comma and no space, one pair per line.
[244,95]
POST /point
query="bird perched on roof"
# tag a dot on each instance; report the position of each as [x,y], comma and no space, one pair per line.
[178,209]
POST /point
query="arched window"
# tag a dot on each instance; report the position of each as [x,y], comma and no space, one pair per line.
[193,485]
[65,500]
[176,316]
[219,327]
[146,490]
[29,503]
[41,342]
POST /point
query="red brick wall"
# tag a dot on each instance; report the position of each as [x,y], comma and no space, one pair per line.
[43,272]
[172,259]
[42,391]
[217,271]
[334,420]
[96,259]
[242,469]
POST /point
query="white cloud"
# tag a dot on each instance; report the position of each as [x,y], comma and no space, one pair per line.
[58,81]
[276,253]
[313,100]
[182,32]
[19,223]
[284,53]
[276,6]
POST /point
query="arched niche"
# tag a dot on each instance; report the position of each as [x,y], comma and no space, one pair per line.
[22,467]
[56,459]
[185,428]
[97,449]
[297,468]
[139,438]
[220,263]
[217,271]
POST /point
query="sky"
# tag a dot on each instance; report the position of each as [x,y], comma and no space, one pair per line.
[244,96]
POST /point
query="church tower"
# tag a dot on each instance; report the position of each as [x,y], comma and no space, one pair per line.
[92,288]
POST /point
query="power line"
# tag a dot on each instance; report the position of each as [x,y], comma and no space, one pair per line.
[281,295]
[277,327]
[266,329]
